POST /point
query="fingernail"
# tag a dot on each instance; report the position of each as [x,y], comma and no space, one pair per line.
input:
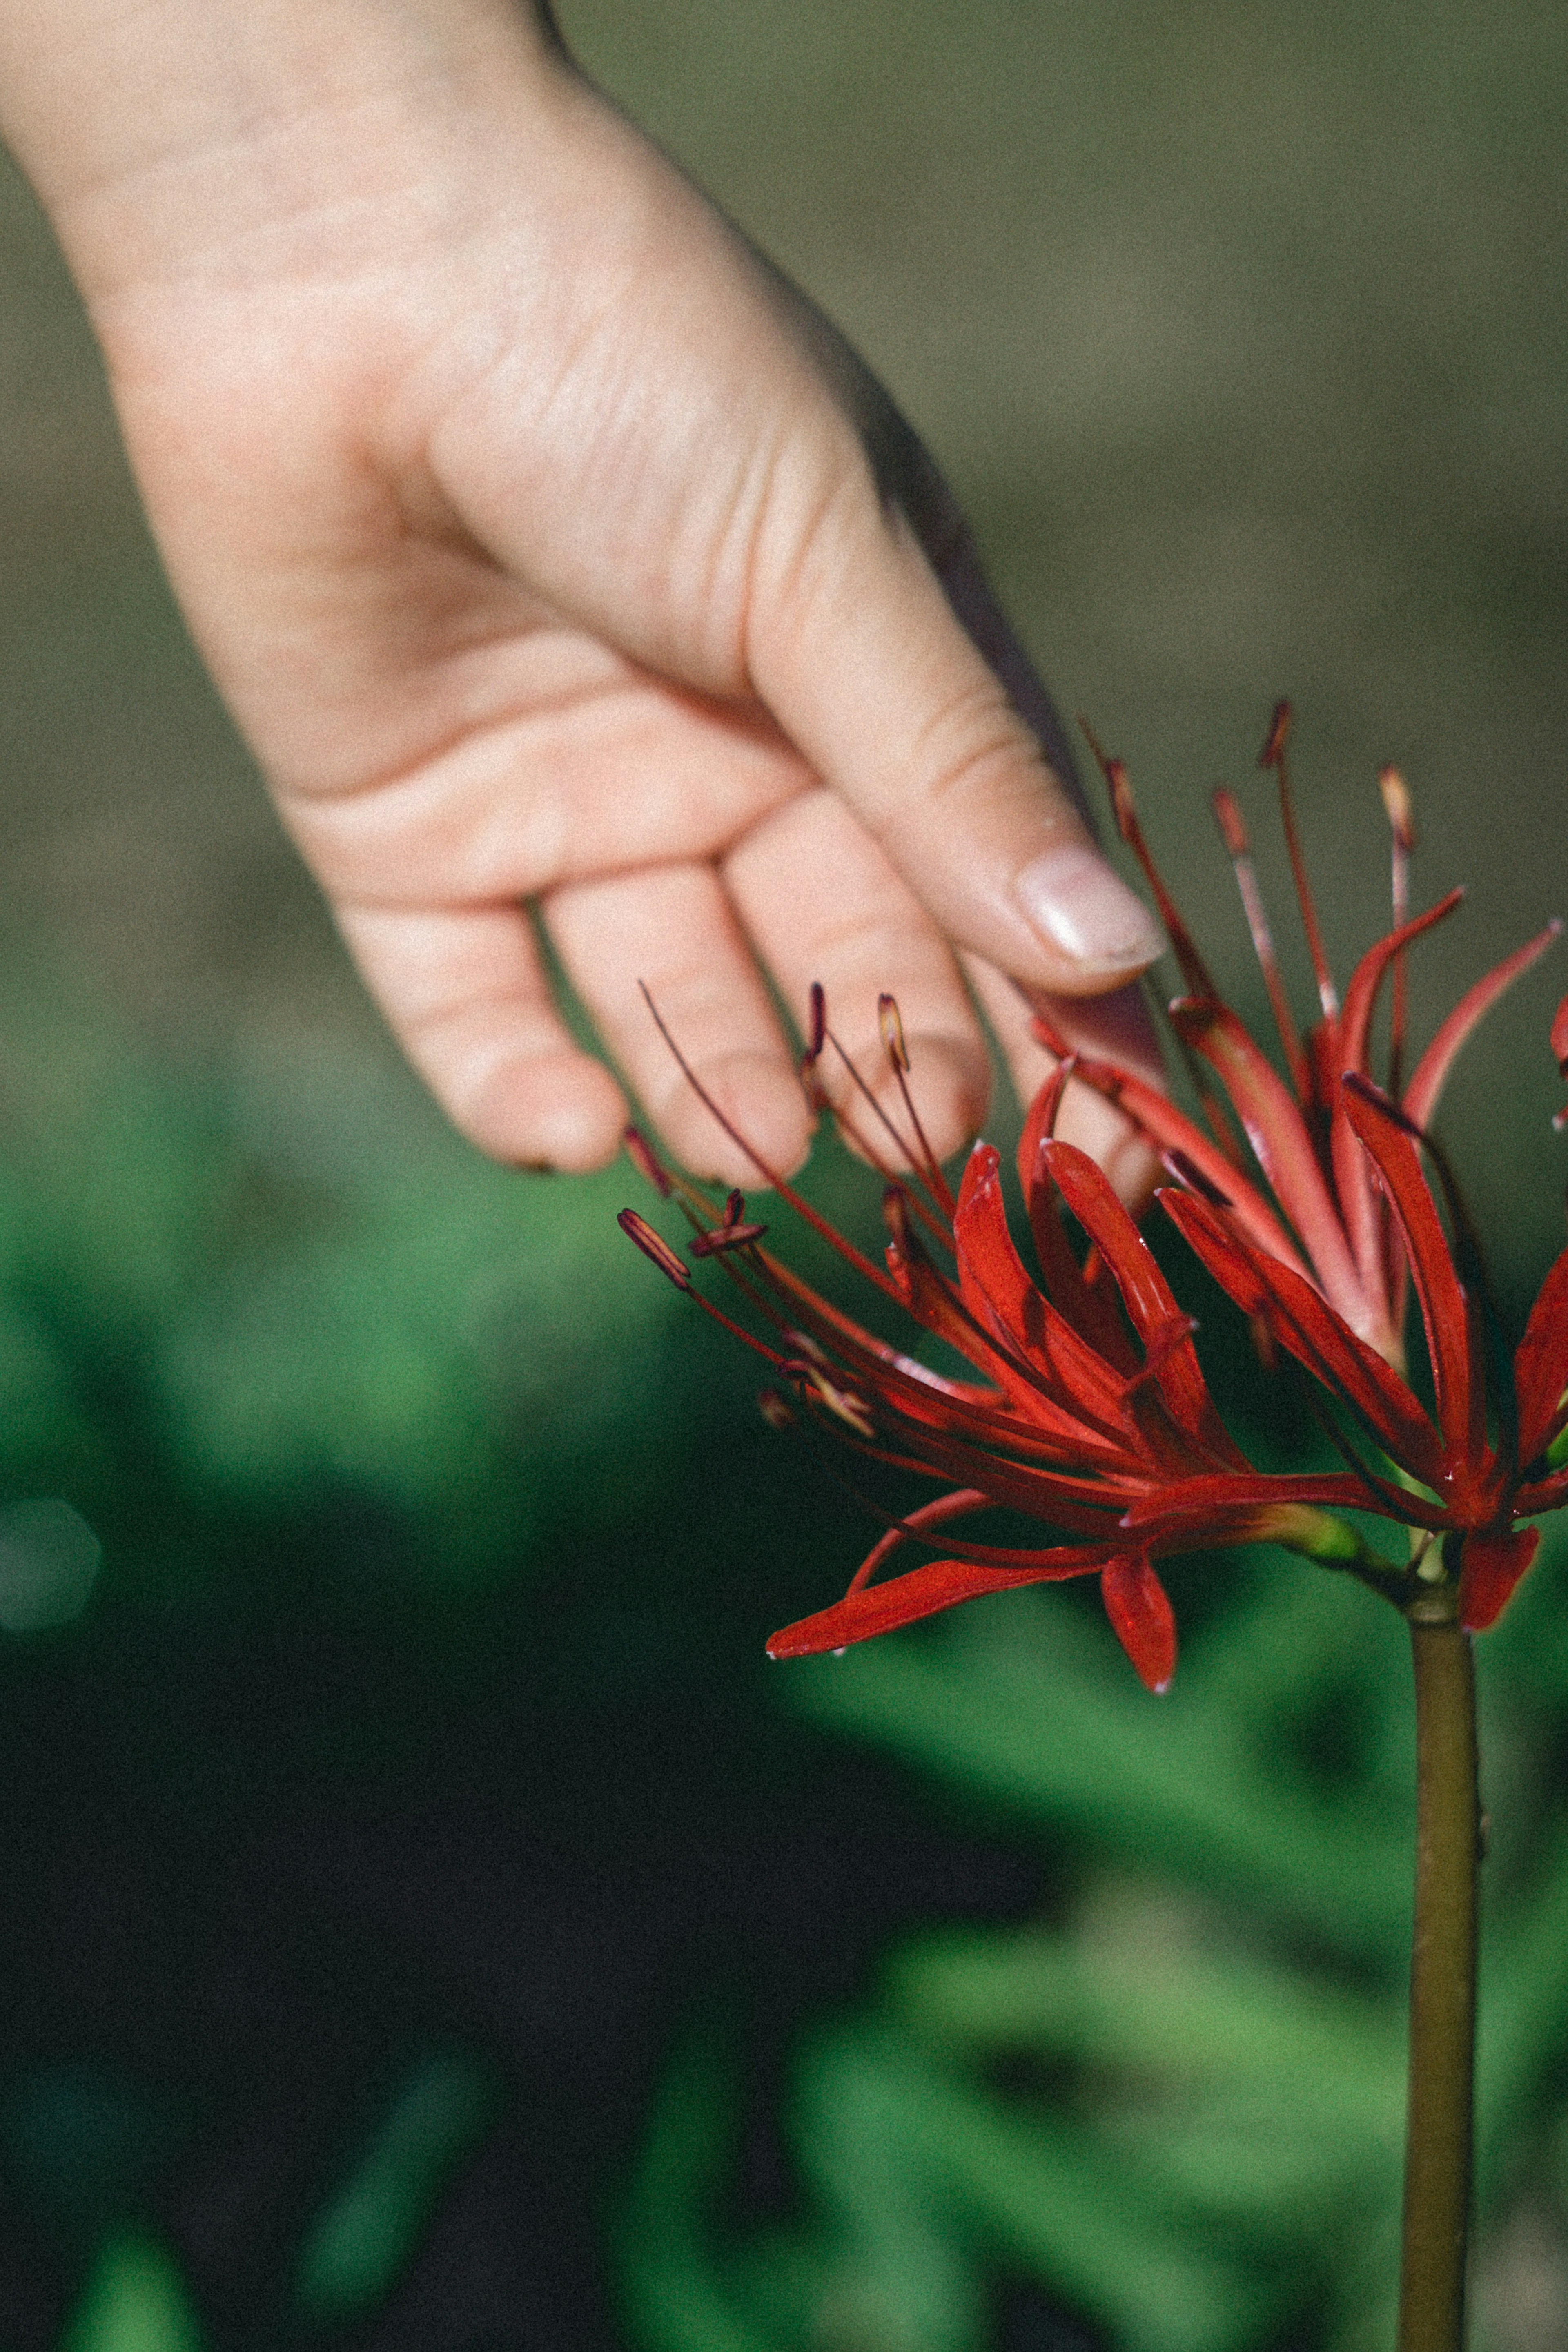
[1072,897]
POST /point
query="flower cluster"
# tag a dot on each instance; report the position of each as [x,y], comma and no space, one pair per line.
[1090,1411]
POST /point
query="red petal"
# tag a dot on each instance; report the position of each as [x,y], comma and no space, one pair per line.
[1170,1131]
[1278,1134]
[1540,1365]
[1151,1308]
[1560,1036]
[1427,1079]
[1442,1296]
[1230,1507]
[938,1584]
[1089,1306]
[1304,1323]
[1139,1609]
[999,1293]
[1352,1179]
[1491,1566]
[1366,980]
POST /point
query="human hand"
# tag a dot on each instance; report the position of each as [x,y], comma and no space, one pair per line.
[555,555]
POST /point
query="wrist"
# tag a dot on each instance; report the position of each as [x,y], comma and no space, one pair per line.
[251,138]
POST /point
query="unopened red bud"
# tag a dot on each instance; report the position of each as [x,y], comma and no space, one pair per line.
[892,1027]
[636,1229]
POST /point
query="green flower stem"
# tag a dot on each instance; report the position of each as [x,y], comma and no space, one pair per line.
[1439,2116]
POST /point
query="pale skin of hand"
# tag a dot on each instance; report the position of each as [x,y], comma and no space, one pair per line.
[566,574]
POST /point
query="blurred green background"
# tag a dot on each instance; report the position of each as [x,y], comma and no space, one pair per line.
[425,1922]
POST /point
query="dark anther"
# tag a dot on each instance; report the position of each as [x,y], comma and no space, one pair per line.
[892,1027]
[817,1025]
[1273,750]
[636,1229]
[726,1237]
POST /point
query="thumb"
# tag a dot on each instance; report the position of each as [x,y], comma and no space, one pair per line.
[874,642]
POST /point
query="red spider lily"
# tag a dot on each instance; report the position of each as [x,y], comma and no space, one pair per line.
[1091,1406]
[1343,1164]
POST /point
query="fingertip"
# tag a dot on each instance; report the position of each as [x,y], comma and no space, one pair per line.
[755,1123]
[563,1111]
[1081,909]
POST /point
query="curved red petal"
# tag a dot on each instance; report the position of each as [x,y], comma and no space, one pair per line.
[1353,1177]
[1151,1306]
[1427,1078]
[1444,1310]
[1303,1323]
[1540,1364]
[1278,1134]
[996,1290]
[1172,1131]
[938,1584]
[1228,1507]
[1141,1614]
[1490,1568]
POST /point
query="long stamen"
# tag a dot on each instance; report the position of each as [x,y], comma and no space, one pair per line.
[890,1023]
[1233,831]
[1397,802]
[928,1206]
[1272,755]
[802,1208]
[1194,971]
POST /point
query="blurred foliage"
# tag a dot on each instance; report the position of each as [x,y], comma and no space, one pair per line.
[1241,333]
[1176,2104]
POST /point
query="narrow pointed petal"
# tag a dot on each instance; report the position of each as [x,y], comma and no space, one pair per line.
[1142,1617]
[1301,1321]
[1228,1507]
[1540,1364]
[996,1289]
[1278,1134]
[1444,1309]
[1491,1566]
[1089,1306]
[922,1592]
[1169,1130]
[1151,1306]
[1353,1177]
[1427,1078]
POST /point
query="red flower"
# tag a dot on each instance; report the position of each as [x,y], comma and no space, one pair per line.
[1091,1406]
[1342,1160]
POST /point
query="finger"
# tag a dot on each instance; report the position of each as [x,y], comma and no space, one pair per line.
[673,931]
[853,644]
[1116,1027]
[552,759]
[469,999]
[820,902]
